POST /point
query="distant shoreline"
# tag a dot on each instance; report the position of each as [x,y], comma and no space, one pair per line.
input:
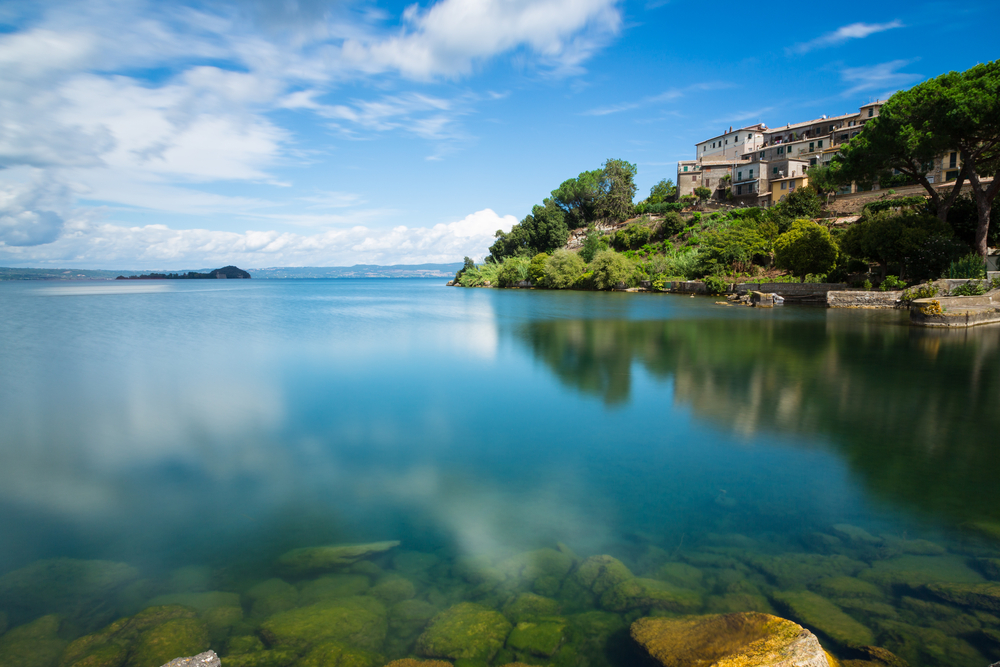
[10,274]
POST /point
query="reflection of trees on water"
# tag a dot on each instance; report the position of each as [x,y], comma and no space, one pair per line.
[915,411]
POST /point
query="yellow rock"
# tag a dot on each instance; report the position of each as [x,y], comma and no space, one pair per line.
[749,639]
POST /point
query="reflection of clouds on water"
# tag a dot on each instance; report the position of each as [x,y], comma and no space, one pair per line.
[107,289]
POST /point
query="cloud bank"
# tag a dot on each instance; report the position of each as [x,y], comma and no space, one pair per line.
[130,105]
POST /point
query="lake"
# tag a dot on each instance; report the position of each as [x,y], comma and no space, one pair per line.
[166,442]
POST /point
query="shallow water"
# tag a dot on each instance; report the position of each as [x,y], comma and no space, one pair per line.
[749,458]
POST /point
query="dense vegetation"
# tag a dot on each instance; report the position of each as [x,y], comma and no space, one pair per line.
[896,242]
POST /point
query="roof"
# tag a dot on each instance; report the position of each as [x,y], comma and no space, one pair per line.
[776,130]
[872,104]
[758,127]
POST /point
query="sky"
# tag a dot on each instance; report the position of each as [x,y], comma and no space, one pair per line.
[177,135]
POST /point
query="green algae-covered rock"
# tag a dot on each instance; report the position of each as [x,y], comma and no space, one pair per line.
[911,572]
[736,640]
[278,657]
[409,617]
[466,630]
[639,593]
[35,644]
[922,645]
[944,617]
[245,644]
[848,587]
[3,622]
[478,570]
[989,567]
[856,535]
[680,574]
[333,586]
[542,570]
[530,607]
[84,591]
[358,621]
[874,656]
[867,608]
[602,573]
[324,559]
[272,588]
[221,620]
[393,588]
[333,654]
[164,642]
[795,570]
[541,638]
[915,547]
[819,613]
[119,637]
[731,603]
[980,596]
[199,601]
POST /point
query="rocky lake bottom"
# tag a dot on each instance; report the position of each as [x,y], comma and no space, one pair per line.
[350,473]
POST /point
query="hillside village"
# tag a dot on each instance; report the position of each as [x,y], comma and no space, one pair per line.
[760,166]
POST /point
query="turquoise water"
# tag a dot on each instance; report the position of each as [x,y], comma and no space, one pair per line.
[743,458]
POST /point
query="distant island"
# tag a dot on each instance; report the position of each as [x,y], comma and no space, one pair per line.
[445,270]
[230,272]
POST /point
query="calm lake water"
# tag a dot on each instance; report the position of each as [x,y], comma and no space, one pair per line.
[835,467]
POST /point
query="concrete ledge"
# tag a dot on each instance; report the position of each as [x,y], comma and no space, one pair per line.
[863,299]
[956,311]
[790,289]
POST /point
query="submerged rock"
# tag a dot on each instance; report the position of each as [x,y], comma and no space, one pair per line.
[466,630]
[333,654]
[530,607]
[981,596]
[323,559]
[412,662]
[409,617]
[541,639]
[358,621]
[206,659]
[110,646]
[680,574]
[912,572]
[278,657]
[333,586]
[642,593]
[819,613]
[748,639]
[200,601]
[602,573]
[36,644]
[84,591]
[795,570]
[848,587]
[393,588]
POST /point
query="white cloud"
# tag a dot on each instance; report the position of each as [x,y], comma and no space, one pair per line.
[85,243]
[32,214]
[882,77]
[843,34]
[448,38]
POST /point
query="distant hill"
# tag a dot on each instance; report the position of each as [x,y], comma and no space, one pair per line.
[287,272]
[360,271]
[226,272]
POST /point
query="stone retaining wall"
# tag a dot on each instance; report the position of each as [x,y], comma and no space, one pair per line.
[790,289]
[863,299]
[956,311]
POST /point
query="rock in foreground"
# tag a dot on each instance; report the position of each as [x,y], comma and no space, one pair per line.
[323,559]
[748,639]
[206,659]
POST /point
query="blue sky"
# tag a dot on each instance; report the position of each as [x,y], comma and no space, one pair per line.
[176,135]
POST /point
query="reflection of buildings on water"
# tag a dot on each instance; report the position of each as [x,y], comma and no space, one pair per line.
[914,411]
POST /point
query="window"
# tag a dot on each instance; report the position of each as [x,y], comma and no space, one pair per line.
[832,128]
[843,137]
[812,162]
[819,144]
[739,176]
[951,175]
[685,168]
[762,155]
[736,139]
[781,150]
[739,189]
[953,160]
[791,185]
[871,112]
[812,146]
[774,170]
[784,185]
[751,174]
[708,182]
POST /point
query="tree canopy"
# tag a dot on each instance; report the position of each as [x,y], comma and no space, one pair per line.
[577,197]
[617,190]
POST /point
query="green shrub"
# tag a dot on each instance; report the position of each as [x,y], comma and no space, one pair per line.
[672,225]
[512,271]
[732,249]
[631,237]
[715,285]
[536,270]
[593,243]
[586,281]
[563,269]
[891,283]
[971,288]
[970,266]
[806,248]
[867,285]
[611,269]
[922,292]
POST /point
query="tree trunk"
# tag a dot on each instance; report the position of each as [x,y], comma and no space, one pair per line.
[984,197]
